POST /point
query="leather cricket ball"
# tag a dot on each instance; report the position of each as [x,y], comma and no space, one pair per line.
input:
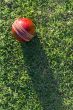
[23,29]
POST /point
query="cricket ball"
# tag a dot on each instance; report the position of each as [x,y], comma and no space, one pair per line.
[23,29]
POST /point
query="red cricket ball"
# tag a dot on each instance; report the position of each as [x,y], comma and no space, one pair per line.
[23,29]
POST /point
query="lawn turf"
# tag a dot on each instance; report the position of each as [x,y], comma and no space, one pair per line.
[37,75]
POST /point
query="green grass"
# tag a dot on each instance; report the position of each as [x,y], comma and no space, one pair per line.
[37,75]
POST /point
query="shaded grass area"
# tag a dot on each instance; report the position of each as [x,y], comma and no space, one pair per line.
[41,75]
[37,75]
